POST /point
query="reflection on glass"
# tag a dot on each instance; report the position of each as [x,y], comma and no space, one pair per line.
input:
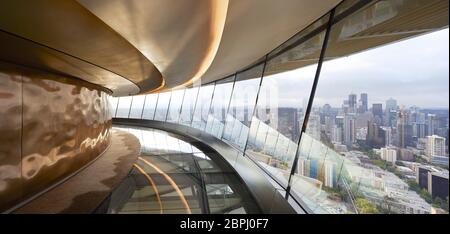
[123,108]
[136,107]
[173,176]
[150,106]
[241,107]
[353,157]
[280,110]
[113,104]
[162,106]
[219,107]
[202,107]
[187,110]
[175,106]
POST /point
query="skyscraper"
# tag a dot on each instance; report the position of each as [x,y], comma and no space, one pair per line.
[364,103]
[391,118]
[391,104]
[352,103]
[388,136]
[431,124]
[349,130]
[376,136]
[377,111]
[401,129]
[313,128]
[337,134]
[338,131]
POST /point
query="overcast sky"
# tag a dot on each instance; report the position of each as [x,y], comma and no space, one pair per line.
[413,71]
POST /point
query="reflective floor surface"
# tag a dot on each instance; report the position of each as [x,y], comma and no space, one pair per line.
[172,175]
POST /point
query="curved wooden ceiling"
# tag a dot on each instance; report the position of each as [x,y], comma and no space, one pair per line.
[64,36]
[142,46]
[180,37]
[137,46]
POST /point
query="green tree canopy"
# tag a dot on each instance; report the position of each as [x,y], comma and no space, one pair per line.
[365,207]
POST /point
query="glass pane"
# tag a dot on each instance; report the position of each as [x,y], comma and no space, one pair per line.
[187,110]
[241,106]
[150,106]
[371,110]
[284,94]
[162,106]
[202,107]
[123,109]
[219,105]
[175,105]
[113,104]
[136,107]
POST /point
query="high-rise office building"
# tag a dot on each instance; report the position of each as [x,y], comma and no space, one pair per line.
[337,134]
[377,111]
[390,118]
[401,129]
[376,136]
[391,104]
[314,126]
[349,130]
[431,124]
[352,103]
[388,136]
[363,103]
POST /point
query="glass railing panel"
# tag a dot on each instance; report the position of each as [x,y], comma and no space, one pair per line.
[113,104]
[284,94]
[176,100]
[136,107]
[123,108]
[187,109]
[219,106]
[242,105]
[162,106]
[150,106]
[202,107]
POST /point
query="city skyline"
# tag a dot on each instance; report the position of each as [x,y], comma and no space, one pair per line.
[419,64]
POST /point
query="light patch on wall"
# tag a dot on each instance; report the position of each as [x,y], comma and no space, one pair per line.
[219,9]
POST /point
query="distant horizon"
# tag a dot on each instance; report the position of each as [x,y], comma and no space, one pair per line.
[413,71]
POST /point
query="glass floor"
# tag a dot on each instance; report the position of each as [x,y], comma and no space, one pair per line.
[171,175]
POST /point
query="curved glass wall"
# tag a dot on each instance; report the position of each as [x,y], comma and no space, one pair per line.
[339,131]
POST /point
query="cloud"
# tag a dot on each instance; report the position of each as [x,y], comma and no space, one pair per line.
[414,71]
